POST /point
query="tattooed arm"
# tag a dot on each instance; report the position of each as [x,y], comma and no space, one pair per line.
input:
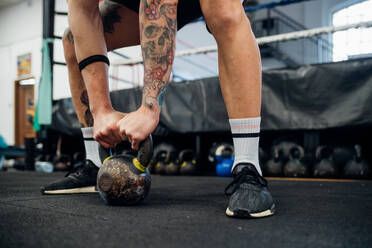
[158,27]
[158,33]
[86,26]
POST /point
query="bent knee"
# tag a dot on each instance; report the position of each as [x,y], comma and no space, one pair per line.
[224,18]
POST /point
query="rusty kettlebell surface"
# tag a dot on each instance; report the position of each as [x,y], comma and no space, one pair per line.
[124,179]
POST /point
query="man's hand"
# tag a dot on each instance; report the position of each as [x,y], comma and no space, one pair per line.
[138,125]
[106,130]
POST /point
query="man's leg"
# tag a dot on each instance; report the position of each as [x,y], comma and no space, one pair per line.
[240,79]
[121,30]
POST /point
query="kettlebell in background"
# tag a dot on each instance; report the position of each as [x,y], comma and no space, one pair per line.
[172,167]
[212,151]
[164,153]
[187,162]
[123,179]
[295,167]
[274,167]
[225,160]
[160,163]
[357,167]
[284,146]
[324,166]
[342,155]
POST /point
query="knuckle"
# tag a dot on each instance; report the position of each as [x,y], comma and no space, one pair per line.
[105,133]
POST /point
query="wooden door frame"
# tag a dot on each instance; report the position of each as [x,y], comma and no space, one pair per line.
[18,140]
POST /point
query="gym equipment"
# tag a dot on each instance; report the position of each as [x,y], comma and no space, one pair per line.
[274,167]
[284,147]
[124,179]
[342,154]
[295,167]
[280,155]
[160,163]
[225,160]
[325,166]
[164,154]
[357,167]
[212,151]
[187,161]
[172,168]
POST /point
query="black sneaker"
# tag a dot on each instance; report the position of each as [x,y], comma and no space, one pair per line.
[81,179]
[249,194]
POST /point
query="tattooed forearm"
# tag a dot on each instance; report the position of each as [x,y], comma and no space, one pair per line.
[158,20]
[88,115]
[68,34]
[152,31]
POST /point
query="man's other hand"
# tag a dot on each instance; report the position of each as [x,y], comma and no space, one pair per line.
[138,125]
[106,131]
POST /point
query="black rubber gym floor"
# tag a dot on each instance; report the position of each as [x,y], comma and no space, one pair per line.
[184,212]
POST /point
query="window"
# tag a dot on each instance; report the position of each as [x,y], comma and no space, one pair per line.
[352,43]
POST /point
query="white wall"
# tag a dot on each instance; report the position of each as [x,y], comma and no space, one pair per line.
[21,31]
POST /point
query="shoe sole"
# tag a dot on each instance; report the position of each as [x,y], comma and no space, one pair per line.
[245,214]
[90,189]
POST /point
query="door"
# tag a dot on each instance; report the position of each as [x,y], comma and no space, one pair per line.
[24,110]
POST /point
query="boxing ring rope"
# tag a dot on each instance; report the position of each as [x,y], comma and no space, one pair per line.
[265,40]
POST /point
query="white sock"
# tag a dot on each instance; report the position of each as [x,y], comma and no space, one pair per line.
[91,146]
[246,137]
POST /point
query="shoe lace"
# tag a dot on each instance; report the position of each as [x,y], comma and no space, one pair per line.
[245,176]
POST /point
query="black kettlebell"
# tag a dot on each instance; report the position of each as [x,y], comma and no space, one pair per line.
[164,153]
[172,167]
[295,167]
[357,167]
[284,147]
[274,167]
[160,163]
[123,179]
[187,161]
[325,166]
[342,155]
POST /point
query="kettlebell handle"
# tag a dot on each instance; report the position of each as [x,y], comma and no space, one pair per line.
[184,153]
[276,153]
[358,153]
[145,151]
[144,154]
[296,148]
[323,152]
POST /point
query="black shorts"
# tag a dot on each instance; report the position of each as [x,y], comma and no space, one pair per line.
[187,10]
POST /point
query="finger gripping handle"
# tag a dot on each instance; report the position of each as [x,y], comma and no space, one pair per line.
[144,154]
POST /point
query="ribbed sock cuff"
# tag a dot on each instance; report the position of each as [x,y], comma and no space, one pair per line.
[87,132]
[91,146]
[246,135]
[247,125]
